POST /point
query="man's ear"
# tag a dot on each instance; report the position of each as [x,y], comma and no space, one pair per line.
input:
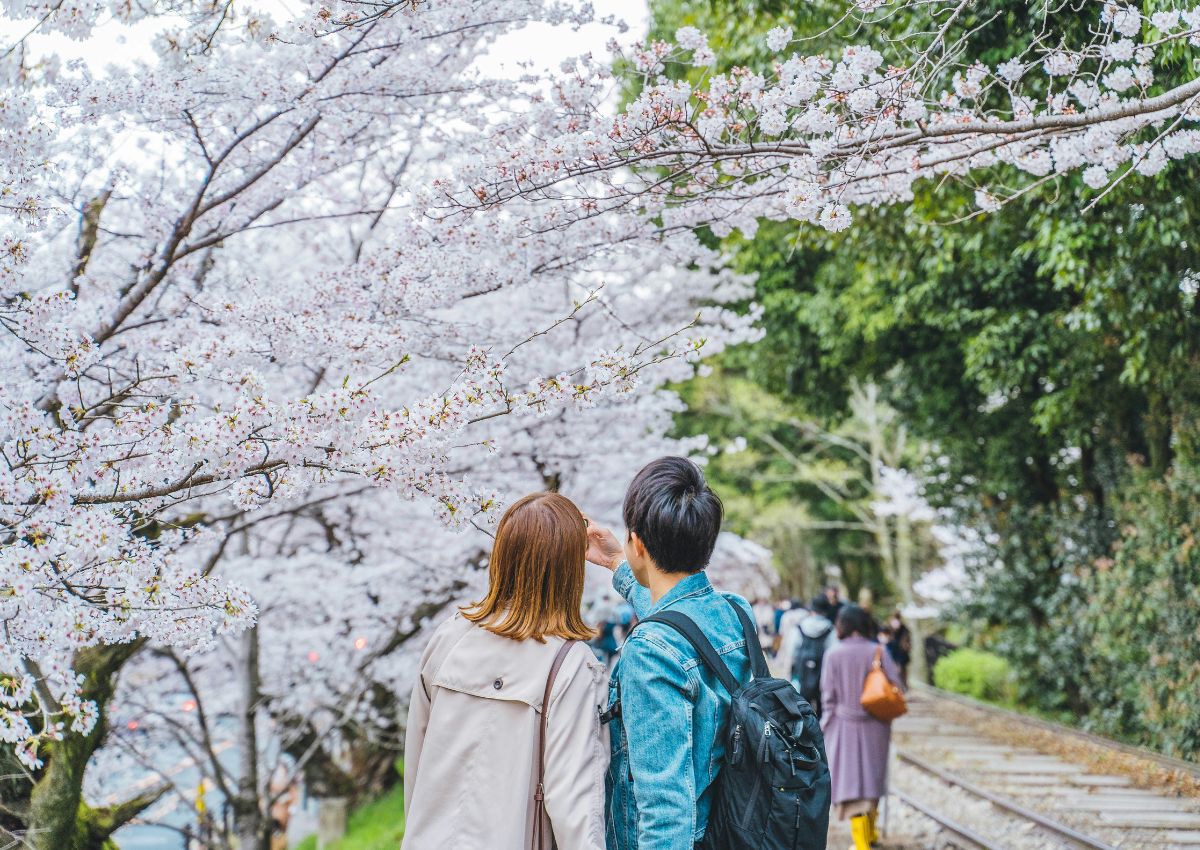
[638,548]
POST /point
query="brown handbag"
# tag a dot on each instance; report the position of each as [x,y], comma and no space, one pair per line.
[881,698]
[541,820]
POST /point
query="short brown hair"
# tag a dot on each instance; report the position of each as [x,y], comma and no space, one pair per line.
[535,577]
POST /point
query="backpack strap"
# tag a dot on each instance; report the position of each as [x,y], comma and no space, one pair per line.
[683,624]
[758,661]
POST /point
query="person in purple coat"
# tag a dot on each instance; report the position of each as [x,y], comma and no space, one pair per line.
[856,743]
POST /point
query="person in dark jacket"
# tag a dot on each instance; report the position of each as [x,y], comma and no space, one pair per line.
[899,645]
[814,637]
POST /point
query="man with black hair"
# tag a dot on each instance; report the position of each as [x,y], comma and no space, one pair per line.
[666,709]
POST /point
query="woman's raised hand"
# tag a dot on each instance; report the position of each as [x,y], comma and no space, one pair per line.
[604,549]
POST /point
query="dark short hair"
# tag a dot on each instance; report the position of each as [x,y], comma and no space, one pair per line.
[671,509]
[853,618]
[821,605]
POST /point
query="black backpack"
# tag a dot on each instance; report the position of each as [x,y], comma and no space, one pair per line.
[806,666]
[772,792]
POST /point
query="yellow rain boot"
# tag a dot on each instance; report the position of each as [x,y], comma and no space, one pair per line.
[860,831]
[873,824]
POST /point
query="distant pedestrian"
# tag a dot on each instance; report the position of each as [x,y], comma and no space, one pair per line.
[900,645]
[781,609]
[764,616]
[284,794]
[605,644]
[833,597]
[856,742]
[813,637]
[936,648]
[884,634]
[626,620]
[789,635]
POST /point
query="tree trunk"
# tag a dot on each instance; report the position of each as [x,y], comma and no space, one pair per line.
[880,527]
[249,822]
[58,817]
[904,579]
[1158,434]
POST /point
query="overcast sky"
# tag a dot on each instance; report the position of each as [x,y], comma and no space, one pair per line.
[547,46]
[543,45]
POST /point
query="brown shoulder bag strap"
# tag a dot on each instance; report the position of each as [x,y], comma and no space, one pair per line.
[541,824]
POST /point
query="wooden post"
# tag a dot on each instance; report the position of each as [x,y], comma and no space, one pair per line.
[331,821]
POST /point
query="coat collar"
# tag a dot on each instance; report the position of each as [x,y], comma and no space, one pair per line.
[483,664]
[697,584]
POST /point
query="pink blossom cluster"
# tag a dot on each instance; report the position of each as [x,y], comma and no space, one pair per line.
[812,136]
[232,306]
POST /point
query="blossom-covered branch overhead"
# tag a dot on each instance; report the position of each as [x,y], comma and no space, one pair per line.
[810,136]
[224,300]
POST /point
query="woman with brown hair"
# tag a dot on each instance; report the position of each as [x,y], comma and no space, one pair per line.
[474,750]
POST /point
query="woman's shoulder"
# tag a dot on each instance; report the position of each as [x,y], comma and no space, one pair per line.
[581,669]
[446,635]
[853,647]
[451,629]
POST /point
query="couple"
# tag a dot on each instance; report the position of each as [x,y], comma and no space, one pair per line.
[479,708]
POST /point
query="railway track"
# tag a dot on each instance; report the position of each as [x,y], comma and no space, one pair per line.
[994,792]
[1187,767]
[1061,832]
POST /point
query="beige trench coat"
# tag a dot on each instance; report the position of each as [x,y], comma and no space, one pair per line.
[471,743]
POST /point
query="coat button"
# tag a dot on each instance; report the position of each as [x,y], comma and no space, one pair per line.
[498,684]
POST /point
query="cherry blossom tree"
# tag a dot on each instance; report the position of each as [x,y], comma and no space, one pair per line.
[317,688]
[231,330]
[814,135]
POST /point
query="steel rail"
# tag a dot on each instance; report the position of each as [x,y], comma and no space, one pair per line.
[1006,803]
[946,823]
[1181,765]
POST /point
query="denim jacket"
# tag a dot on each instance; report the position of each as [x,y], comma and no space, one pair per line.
[667,739]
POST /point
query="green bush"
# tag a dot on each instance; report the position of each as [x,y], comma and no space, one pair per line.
[975,673]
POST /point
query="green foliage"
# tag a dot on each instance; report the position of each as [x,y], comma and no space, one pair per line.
[379,825]
[977,674]
[804,491]
[1052,359]
[1028,596]
[1143,609]
[756,484]
[1110,637]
